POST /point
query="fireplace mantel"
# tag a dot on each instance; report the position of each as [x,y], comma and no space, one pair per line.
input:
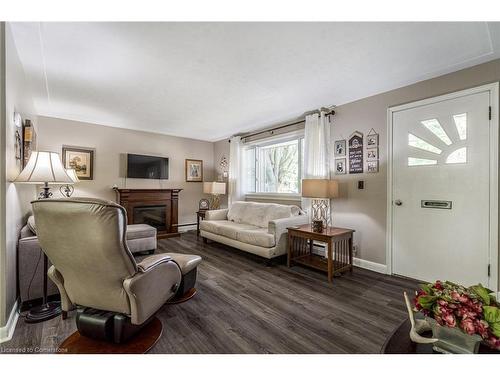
[139,201]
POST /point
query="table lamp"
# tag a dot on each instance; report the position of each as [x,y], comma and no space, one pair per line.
[67,190]
[44,167]
[216,189]
[321,191]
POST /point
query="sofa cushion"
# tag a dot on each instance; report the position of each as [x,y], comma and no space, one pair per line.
[257,237]
[225,228]
[259,214]
[135,231]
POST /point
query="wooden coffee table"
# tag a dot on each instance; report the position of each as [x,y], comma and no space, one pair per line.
[339,249]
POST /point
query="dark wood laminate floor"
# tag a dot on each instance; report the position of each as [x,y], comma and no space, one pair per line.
[242,306]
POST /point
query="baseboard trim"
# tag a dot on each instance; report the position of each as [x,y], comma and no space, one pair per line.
[186,228]
[361,263]
[7,331]
[372,266]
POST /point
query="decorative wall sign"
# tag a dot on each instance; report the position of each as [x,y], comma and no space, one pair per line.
[356,152]
[372,166]
[372,139]
[340,167]
[340,148]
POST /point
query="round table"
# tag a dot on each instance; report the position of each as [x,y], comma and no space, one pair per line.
[399,343]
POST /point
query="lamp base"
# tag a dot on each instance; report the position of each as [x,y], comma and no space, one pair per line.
[44,312]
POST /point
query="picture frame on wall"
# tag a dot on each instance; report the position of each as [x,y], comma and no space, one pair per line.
[29,141]
[372,166]
[372,140]
[80,159]
[194,170]
[340,148]
[372,153]
[340,166]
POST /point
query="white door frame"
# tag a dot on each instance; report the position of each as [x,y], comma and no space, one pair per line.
[493,89]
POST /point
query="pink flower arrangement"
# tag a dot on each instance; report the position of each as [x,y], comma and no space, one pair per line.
[473,310]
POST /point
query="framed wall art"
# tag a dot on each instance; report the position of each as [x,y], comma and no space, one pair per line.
[372,166]
[372,139]
[372,153]
[340,166]
[194,170]
[29,141]
[340,147]
[79,159]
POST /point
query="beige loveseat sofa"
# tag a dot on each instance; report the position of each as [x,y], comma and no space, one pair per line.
[258,228]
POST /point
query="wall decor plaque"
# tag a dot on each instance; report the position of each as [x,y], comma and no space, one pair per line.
[356,152]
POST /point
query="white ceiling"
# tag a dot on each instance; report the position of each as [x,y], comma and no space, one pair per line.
[211,80]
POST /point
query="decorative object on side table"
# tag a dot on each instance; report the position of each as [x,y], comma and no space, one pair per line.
[81,160]
[204,204]
[67,190]
[460,318]
[321,191]
[194,170]
[44,167]
[215,189]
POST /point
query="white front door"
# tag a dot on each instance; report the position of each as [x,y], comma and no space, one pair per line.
[441,189]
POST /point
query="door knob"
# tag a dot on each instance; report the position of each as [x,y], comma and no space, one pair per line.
[398,202]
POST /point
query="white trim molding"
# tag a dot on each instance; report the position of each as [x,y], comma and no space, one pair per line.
[358,262]
[7,331]
[372,266]
[493,89]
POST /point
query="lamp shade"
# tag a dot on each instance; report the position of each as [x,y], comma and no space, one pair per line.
[44,166]
[72,174]
[214,188]
[320,188]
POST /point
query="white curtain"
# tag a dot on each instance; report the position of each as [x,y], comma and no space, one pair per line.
[236,192]
[316,149]
[317,146]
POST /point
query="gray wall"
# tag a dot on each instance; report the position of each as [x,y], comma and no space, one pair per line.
[365,210]
[17,197]
[111,145]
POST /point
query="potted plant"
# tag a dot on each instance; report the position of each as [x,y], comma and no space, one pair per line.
[460,317]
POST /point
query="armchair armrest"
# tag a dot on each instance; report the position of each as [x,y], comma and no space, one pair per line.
[156,282]
[152,261]
[217,214]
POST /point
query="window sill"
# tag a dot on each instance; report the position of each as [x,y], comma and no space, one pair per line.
[274,196]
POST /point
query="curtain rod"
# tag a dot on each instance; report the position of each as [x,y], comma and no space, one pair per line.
[329,111]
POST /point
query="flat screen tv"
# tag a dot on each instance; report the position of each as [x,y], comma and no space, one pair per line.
[144,166]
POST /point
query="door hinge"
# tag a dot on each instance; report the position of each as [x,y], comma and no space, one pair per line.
[489,269]
[489,112]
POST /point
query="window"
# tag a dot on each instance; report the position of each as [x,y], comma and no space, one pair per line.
[274,166]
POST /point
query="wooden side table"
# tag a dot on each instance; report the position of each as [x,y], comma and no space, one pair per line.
[339,249]
[200,215]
